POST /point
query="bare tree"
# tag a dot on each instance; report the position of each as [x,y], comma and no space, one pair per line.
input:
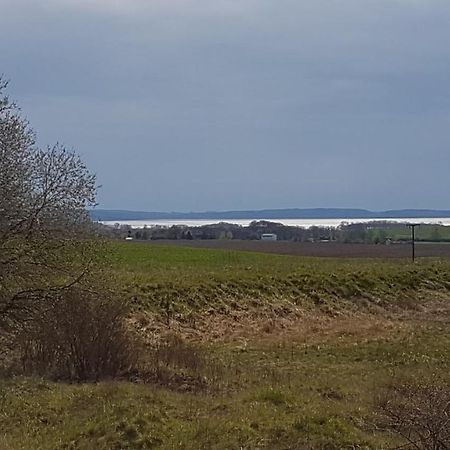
[44,224]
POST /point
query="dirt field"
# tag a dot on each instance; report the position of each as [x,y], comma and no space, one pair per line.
[320,249]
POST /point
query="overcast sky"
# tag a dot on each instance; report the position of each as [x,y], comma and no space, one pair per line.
[193,105]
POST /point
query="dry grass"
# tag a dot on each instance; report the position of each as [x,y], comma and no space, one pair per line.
[301,325]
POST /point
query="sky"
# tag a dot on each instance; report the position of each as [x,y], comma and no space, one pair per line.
[195,105]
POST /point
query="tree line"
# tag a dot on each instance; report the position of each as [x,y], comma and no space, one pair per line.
[379,232]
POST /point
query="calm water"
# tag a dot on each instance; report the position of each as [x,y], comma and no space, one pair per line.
[294,222]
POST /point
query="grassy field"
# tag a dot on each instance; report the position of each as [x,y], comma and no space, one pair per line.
[254,351]
[192,284]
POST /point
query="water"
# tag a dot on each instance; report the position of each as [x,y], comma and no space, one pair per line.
[306,223]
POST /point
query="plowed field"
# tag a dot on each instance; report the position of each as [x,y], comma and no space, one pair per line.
[320,249]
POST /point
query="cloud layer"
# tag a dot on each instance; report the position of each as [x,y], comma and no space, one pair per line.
[195,105]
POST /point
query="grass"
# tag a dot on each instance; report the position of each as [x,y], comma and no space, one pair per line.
[182,283]
[289,396]
[303,379]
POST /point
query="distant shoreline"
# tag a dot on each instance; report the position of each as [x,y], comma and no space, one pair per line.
[342,214]
[305,223]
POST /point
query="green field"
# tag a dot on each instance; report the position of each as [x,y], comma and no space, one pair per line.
[425,232]
[258,351]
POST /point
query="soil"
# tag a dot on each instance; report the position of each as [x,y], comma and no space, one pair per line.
[319,249]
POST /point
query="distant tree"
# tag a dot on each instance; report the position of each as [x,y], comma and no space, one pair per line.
[144,233]
[436,234]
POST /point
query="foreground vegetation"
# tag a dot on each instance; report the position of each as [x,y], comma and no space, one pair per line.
[248,350]
[266,396]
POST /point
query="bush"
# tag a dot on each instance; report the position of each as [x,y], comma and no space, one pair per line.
[420,414]
[79,336]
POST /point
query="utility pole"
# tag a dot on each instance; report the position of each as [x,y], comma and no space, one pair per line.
[413,238]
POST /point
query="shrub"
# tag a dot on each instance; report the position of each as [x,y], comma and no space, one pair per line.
[79,336]
[420,414]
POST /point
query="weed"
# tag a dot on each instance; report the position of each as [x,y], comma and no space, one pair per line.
[273,396]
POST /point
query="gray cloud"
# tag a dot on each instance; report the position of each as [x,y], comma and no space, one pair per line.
[194,105]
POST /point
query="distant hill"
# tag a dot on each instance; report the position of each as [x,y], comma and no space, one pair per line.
[294,213]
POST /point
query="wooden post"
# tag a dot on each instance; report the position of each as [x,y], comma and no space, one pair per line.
[413,239]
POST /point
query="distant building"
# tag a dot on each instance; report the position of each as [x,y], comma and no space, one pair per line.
[269,237]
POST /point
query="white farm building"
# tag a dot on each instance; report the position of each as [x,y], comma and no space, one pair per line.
[269,237]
